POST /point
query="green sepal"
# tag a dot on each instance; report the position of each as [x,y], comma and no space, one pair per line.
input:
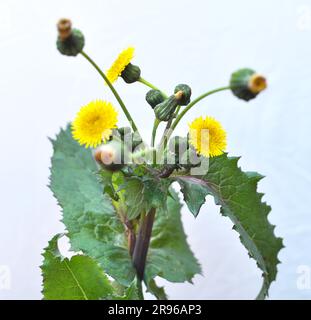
[239,84]
[164,111]
[131,73]
[73,45]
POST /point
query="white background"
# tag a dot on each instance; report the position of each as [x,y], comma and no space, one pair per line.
[195,42]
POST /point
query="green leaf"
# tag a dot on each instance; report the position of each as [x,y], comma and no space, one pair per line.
[79,278]
[158,292]
[129,293]
[236,192]
[134,197]
[169,255]
[88,214]
[142,194]
[194,195]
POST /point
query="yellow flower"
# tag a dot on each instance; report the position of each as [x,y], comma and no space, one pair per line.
[207,136]
[94,123]
[120,64]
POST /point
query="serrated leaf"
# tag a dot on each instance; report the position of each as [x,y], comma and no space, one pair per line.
[155,192]
[79,278]
[170,256]
[236,192]
[88,214]
[194,195]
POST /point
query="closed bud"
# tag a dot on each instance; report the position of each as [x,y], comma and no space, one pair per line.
[246,84]
[131,73]
[70,42]
[154,97]
[164,111]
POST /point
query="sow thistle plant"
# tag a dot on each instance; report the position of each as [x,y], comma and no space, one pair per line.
[121,213]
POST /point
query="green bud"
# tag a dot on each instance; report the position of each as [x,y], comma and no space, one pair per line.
[246,84]
[186,94]
[154,97]
[164,111]
[131,73]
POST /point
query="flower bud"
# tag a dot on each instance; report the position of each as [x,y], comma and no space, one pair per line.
[131,73]
[246,84]
[164,111]
[154,97]
[184,98]
[70,41]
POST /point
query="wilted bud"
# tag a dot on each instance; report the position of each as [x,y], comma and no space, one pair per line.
[246,84]
[257,83]
[184,98]
[70,41]
[112,156]
[64,29]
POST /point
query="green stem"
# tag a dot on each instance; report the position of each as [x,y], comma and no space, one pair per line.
[127,114]
[140,289]
[142,242]
[190,105]
[154,131]
[150,85]
[156,121]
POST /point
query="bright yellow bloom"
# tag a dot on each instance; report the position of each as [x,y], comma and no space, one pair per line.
[94,123]
[120,64]
[207,136]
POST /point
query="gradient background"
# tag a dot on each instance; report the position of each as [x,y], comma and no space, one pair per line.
[195,42]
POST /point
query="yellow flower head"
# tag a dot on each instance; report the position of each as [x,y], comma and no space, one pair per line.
[207,136]
[120,64]
[94,123]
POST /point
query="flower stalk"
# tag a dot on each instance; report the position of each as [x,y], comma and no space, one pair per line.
[188,107]
[117,96]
